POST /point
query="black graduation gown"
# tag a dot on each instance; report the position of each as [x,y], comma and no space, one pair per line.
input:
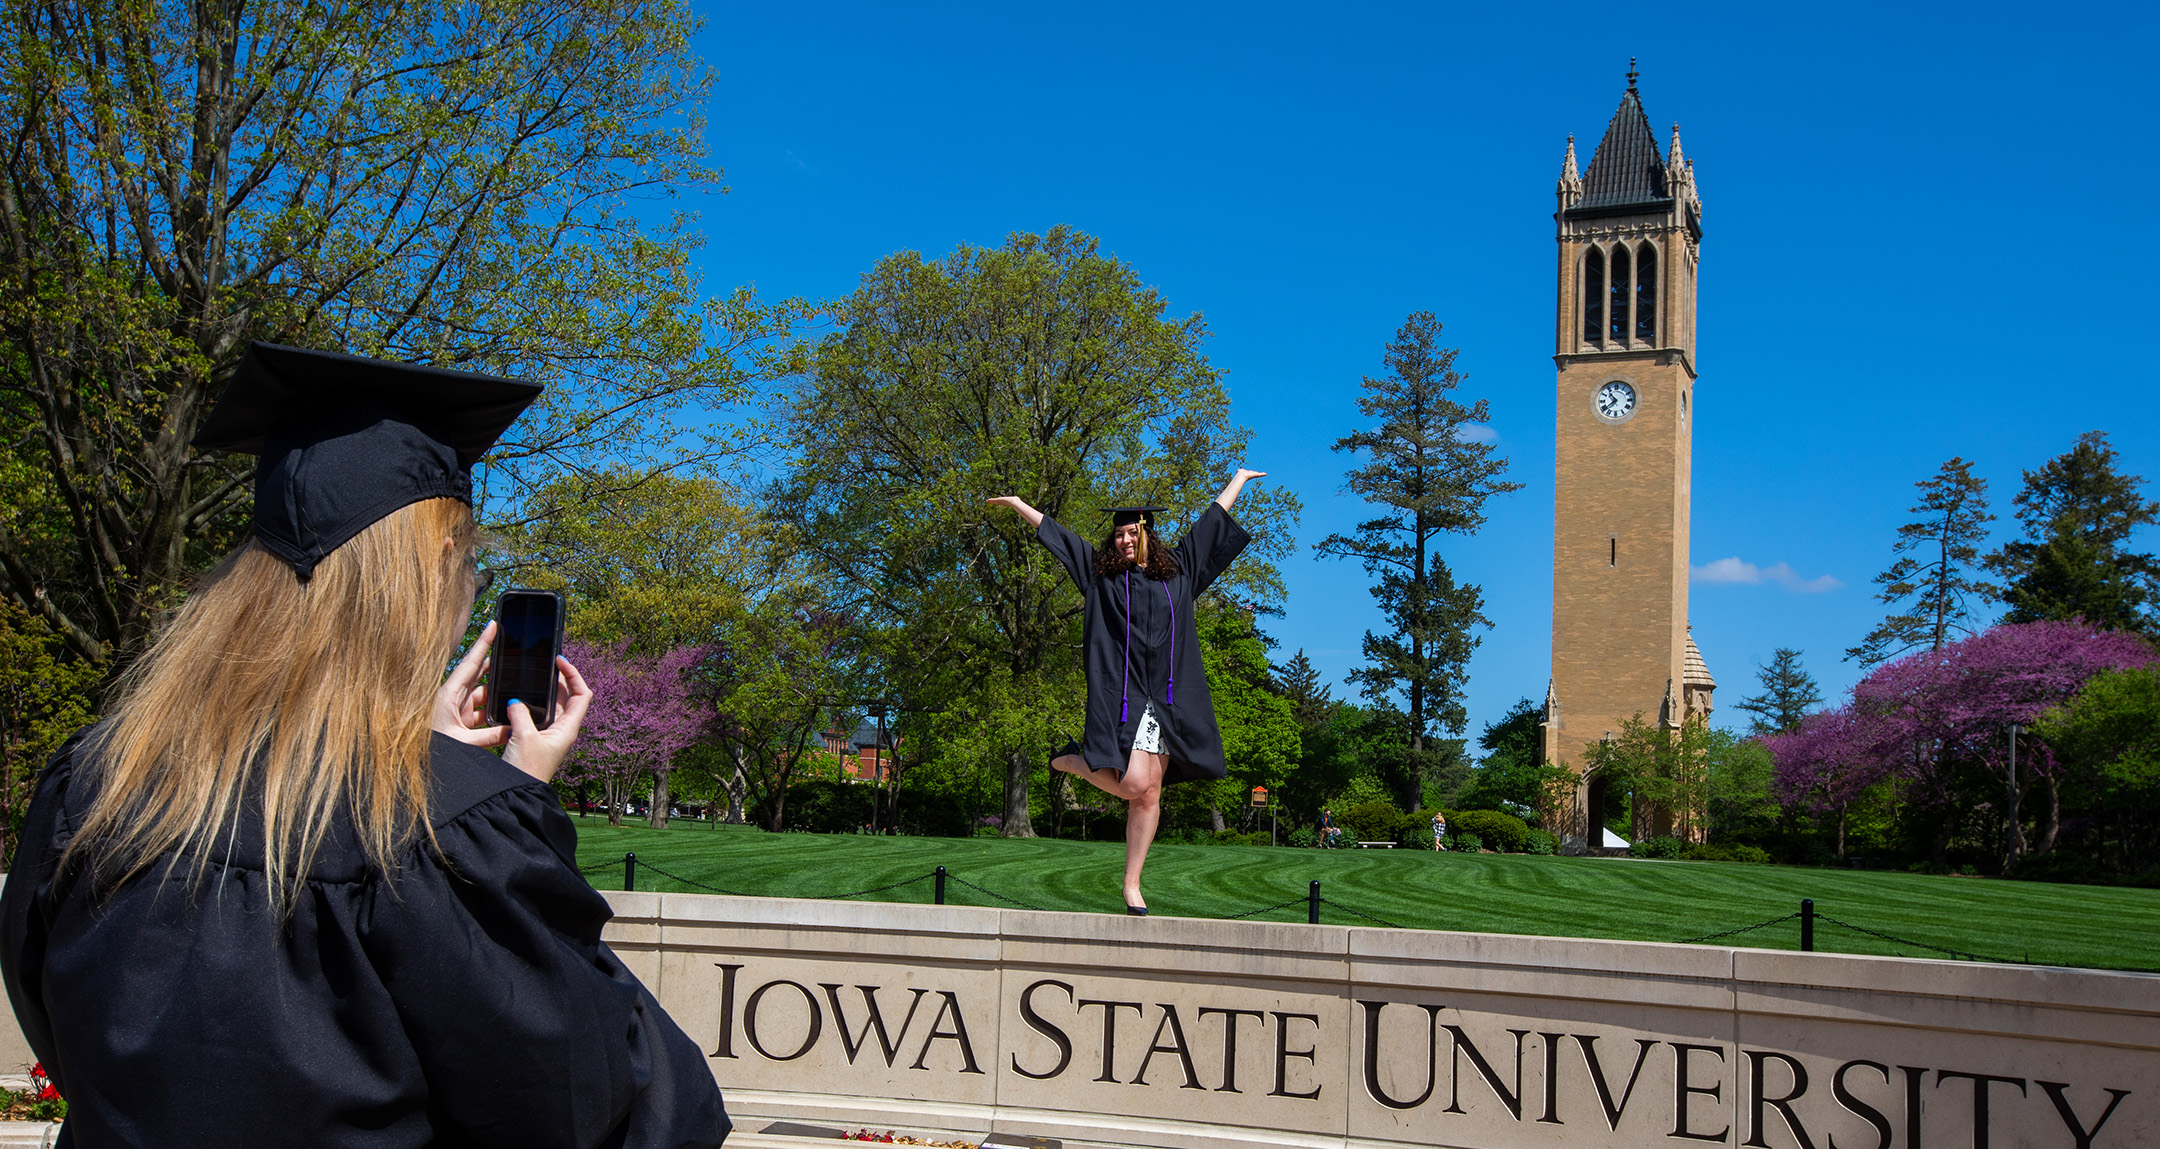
[1165,665]
[468,1001]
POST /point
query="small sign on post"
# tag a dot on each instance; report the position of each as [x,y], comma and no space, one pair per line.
[1259,796]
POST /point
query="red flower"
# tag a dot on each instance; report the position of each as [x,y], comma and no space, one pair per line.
[48,1094]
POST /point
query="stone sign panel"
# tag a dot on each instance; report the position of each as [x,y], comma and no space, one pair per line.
[1193,1034]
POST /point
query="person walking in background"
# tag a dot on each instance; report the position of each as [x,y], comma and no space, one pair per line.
[286,894]
[1150,719]
[1439,830]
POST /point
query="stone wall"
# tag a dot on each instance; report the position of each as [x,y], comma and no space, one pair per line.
[1196,1033]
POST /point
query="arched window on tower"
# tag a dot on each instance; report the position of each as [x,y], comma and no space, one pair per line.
[1619,294]
[1646,294]
[1593,296]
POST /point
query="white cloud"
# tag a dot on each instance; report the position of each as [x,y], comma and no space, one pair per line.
[1476,433]
[1739,570]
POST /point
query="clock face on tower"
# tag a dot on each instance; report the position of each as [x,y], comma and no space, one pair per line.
[1615,402]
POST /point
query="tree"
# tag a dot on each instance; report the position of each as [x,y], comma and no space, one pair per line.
[1430,474]
[1934,712]
[780,668]
[1311,701]
[44,698]
[1260,730]
[1665,771]
[1513,775]
[2078,513]
[1042,369]
[1940,583]
[643,714]
[1828,760]
[2108,741]
[1789,693]
[446,185]
[657,561]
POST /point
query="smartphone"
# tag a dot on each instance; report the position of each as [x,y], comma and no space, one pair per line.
[528,636]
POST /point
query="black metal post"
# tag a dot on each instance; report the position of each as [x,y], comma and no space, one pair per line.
[1312,904]
[941,885]
[629,871]
[1807,925]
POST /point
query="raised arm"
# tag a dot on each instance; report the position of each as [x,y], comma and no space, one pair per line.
[1020,507]
[1236,486]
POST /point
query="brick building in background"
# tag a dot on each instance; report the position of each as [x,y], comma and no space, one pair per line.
[1630,234]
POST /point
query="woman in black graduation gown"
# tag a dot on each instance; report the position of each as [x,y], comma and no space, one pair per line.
[1150,721]
[285,894]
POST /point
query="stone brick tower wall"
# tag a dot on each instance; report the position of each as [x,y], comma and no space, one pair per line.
[1629,233]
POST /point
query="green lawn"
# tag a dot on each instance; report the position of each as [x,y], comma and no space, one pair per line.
[1494,893]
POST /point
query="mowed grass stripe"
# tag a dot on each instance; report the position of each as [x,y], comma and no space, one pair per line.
[1487,893]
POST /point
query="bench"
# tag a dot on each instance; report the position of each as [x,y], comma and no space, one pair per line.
[1376,845]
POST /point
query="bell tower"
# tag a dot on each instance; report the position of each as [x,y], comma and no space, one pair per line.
[1630,240]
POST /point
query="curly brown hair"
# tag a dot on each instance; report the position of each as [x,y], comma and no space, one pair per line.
[1161,564]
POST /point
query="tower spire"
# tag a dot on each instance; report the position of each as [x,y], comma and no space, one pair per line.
[1568,173]
[1631,73]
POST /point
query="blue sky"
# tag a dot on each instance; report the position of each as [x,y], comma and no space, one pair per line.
[1924,238]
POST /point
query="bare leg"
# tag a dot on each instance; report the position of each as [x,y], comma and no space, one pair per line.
[1141,787]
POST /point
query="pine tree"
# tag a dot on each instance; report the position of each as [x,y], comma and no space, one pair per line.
[1938,587]
[1789,694]
[1298,680]
[1429,474]
[2078,512]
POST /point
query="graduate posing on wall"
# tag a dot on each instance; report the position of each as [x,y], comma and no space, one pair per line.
[1150,721]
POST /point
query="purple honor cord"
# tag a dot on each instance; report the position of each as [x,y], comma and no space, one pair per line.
[1125,672]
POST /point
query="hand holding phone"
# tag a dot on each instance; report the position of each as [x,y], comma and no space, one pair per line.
[528,637]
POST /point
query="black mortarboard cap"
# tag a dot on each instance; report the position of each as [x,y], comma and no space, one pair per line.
[1124,516]
[344,441]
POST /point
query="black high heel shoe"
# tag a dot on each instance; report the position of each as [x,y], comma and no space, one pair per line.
[1133,911]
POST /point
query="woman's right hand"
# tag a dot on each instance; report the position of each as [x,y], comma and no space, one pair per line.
[1020,507]
[538,752]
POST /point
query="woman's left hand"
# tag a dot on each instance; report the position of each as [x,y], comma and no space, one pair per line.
[461,705]
[541,752]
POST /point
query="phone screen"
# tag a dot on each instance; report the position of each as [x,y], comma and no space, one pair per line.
[526,641]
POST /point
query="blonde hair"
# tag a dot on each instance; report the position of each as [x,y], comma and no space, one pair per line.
[312,698]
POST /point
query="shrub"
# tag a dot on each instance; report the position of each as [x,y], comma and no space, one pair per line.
[1667,849]
[1235,838]
[1542,842]
[1504,832]
[1720,852]
[1372,822]
[1467,843]
[1304,837]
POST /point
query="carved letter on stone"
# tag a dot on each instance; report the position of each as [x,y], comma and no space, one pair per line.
[889,1045]
[1372,1055]
[1859,1108]
[1757,1058]
[1643,1046]
[2083,1135]
[1109,1033]
[725,1047]
[1177,1036]
[1036,1022]
[1980,1081]
[1682,1091]
[1463,1045]
[958,1033]
[750,1015]
[1283,1054]
[1229,1048]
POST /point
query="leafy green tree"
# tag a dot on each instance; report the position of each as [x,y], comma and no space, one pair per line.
[1740,774]
[1043,369]
[781,666]
[1936,584]
[1788,695]
[1664,770]
[1512,774]
[2078,513]
[1260,731]
[45,696]
[441,184]
[1429,473]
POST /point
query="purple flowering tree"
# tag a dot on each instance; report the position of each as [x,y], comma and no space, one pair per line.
[1828,762]
[644,712]
[1934,714]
